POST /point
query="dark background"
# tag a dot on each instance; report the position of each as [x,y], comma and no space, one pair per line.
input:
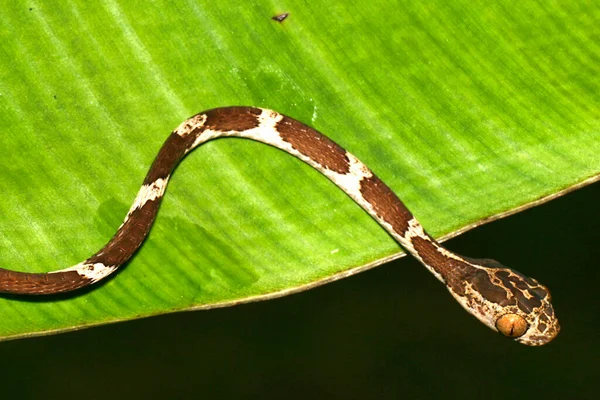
[392,332]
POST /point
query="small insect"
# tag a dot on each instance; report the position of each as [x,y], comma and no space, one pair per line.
[280,17]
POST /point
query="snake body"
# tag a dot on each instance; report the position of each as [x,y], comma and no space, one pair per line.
[503,299]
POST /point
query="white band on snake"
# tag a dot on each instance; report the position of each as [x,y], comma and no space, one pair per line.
[503,299]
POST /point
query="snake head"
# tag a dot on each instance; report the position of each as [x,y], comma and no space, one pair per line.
[508,302]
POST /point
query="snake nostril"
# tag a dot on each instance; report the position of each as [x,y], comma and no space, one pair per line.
[511,325]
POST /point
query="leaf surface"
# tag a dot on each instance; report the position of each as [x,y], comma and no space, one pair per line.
[468,110]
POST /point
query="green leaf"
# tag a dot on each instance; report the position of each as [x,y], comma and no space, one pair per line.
[468,110]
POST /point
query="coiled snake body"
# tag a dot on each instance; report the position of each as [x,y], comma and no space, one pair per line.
[501,298]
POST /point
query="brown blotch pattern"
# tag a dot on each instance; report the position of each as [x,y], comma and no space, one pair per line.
[169,156]
[452,271]
[511,281]
[542,326]
[516,283]
[27,283]
[482,283]
[386,204]
[232,118]
[314,145]
[129,237]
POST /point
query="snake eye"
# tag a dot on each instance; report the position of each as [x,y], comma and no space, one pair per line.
[511,325]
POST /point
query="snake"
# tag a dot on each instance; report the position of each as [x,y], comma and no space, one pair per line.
[503,299]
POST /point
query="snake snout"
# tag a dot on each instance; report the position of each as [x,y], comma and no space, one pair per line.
[529,317]
[543,325]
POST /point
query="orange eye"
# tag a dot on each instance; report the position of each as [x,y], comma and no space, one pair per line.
[511,325]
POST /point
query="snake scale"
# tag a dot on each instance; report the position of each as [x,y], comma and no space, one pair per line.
[503,299]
